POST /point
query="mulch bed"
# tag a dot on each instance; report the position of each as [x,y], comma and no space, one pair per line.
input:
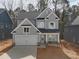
[70,46]
[5,45]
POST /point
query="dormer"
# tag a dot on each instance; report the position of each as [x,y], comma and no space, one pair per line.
[40,20]
[47,20]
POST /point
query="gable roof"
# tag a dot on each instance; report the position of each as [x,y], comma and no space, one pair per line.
[30,15]
[22,23]
[52,13]
[45,13]
[76,21]
[70,19]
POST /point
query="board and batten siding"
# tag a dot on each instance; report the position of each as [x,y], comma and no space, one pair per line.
[71,33]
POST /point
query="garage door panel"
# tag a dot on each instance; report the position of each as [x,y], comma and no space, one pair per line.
[26,40]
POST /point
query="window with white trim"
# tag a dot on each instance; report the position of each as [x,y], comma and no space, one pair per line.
[52,25]
[40,24]
[26,29]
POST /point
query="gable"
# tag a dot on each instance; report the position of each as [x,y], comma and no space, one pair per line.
[76,21]
[25,22]
[30,15]
[53,16]
[45,13]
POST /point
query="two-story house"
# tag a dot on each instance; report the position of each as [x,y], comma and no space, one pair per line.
[37,29]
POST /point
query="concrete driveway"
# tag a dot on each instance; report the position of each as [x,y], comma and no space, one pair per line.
[21,52]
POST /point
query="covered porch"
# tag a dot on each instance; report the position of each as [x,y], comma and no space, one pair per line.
[48,39]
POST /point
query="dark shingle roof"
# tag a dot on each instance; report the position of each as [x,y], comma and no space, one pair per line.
[49,30]
[29,15]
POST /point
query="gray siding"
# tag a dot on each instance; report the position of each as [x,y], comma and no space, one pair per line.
[20,30]
[71,34]
[51,18]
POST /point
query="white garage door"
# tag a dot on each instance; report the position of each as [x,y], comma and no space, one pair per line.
[26,39]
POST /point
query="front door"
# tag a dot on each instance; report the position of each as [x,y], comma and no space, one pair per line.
[43,39]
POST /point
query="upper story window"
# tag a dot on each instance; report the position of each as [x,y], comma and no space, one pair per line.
[56,18]
[26,29]
[51,25]
[40,24]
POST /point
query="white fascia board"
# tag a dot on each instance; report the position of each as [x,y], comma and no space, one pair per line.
[42,12]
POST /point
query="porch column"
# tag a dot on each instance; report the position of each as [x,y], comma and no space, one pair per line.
[13,36]
[46,38]
[58,38]
[39,37]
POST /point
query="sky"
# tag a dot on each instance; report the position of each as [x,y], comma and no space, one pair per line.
[34,2]
[17,3]
[73,2]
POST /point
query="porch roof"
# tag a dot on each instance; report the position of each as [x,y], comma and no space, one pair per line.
[49,30]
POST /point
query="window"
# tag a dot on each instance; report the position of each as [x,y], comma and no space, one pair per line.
[52,38]
[26,29]
[51,25]
[40,24]
[56,18]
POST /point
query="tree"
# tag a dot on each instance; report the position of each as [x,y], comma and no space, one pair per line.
[30,7]
[8,5]
[65,5]
[21,4]
[42,4]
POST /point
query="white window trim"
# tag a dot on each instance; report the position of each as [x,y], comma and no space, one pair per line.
[40,26]
[26,27]
[53,25]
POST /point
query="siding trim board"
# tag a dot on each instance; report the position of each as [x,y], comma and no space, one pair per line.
[43,12]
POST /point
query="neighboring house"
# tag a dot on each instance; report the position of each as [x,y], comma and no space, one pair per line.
[71,30]
[5,25]
[37,29]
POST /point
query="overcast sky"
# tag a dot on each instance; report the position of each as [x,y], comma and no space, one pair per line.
[73,2]
[34,2]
